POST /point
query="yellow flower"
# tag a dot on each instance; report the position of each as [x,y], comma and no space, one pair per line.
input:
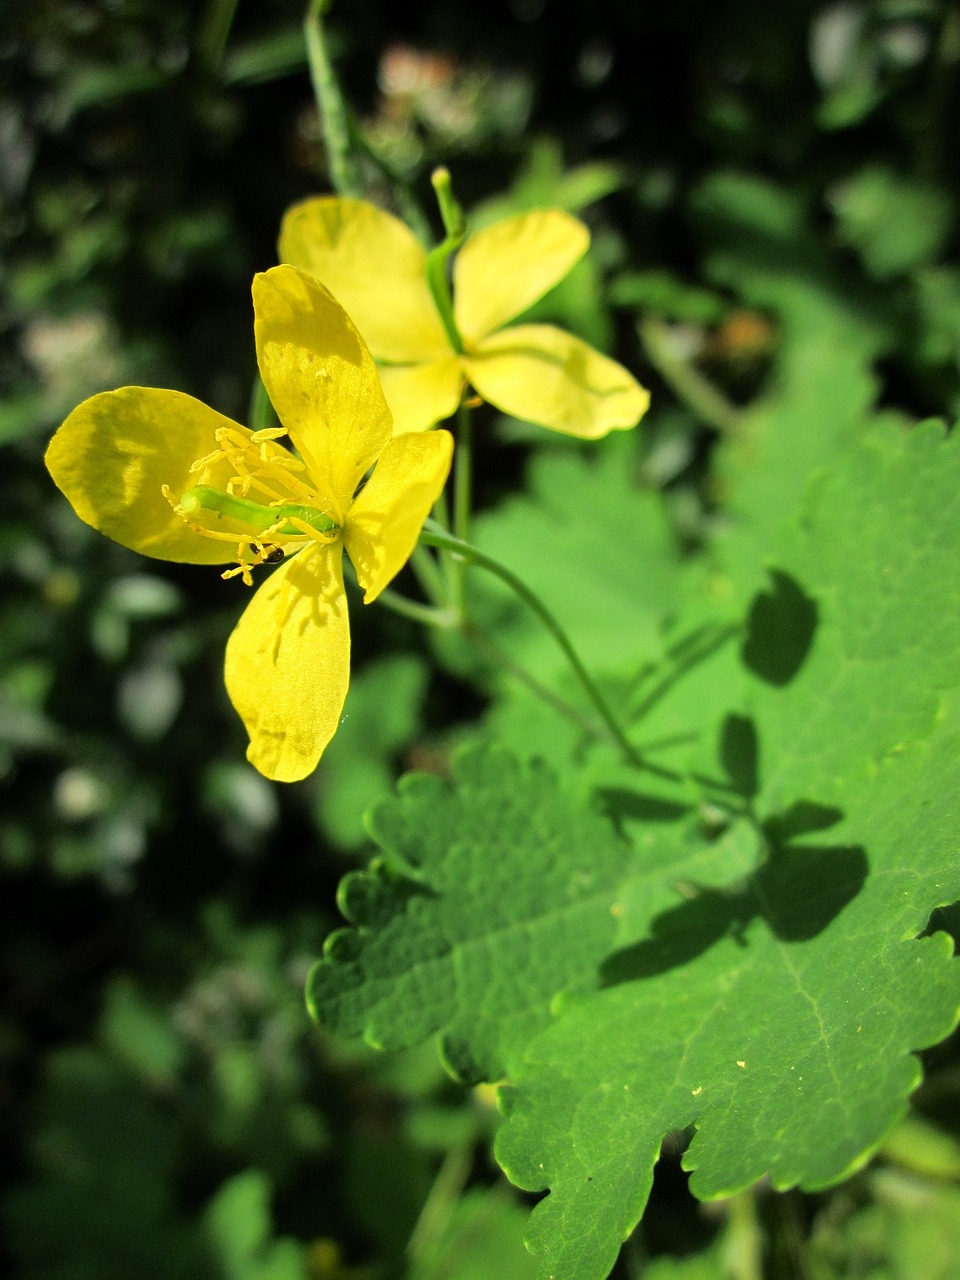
[376,267]
[160,472]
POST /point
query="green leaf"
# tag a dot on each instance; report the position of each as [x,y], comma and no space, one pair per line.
[270,57]
[664,294]
[141,1034]
[910,1231]
[239,1225]
[543,183]
[380,717]
[822,390]
[613,604]
[897,224]
[778,1016]
[483,1241]
[90,1204]
[492,895]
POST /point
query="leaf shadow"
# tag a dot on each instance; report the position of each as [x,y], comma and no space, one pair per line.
[798,890]
[621,804]
[687,653]
[780,630]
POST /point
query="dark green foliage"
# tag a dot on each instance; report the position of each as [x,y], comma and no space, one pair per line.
[734,953]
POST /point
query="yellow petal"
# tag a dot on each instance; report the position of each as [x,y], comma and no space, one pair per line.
[288,663]
[374,266]
[322,381]
[504,269]
[117,450]
[421,395]
[385,521]
[544,375]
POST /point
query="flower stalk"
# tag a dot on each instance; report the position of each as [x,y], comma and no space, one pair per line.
[435,536]
[332,109]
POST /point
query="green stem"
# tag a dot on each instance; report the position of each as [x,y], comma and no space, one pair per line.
[503,659]
[463,474]
[214,31]
[690,386]
[441,1202]
[743,1245]
[429,576]
[451,567]
[462,500]
[409,207]
[434,536]
[330,105]
[427,614]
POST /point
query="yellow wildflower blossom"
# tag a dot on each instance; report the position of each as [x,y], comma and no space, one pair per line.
[377,268]
[167,476]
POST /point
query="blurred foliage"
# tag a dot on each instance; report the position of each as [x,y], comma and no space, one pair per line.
[772,195]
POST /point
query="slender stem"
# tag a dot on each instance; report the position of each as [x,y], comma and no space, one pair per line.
[428,614]
[463,474]
[462,500]
[441,511]
[214,31]
[454,223]
[441,1201]
[434,536]
[408,205]
[442,619]
[743,1244]
[451,568]
[330,104]
[429,576]
[696,391]
[572,713]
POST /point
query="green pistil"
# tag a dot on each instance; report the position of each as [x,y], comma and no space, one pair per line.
[258,518]
[455,227]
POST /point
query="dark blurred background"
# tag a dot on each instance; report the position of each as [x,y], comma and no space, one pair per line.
[166,1109]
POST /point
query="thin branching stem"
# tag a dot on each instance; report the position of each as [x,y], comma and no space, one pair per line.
[462,505]
[427,614]
[334,119]
[483,642]
[438,1209]
[697,392]
[429,576]
[434,536]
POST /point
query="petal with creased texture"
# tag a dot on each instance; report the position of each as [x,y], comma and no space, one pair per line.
[505,268]
[541,374]
[375,267]
[385,520]
[421,395]
[288,663]
[322,381]
[117,450]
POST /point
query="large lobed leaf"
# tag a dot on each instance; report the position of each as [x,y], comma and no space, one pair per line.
[760,979]
[492,895]
[778,1017]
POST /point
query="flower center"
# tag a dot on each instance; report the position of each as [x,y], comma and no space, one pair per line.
[266,507]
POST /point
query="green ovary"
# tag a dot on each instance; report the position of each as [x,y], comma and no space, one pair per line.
[259,519]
